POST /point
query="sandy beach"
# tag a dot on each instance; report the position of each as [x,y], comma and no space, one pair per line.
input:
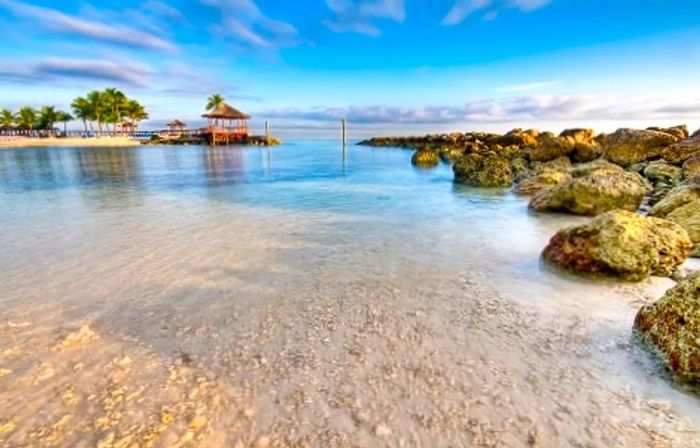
[25,142]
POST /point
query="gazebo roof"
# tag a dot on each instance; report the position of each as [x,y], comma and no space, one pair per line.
[227,113]
[177,124]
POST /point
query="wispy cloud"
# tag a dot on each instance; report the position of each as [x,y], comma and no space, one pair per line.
[528,87]
[521,108]
[490,8]
[249,27]
[358,16]
[69,24]
[59,69]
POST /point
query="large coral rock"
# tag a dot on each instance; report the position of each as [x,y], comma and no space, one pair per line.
[680,132]
[659,171]
[543,175]
[551,147]
[425,158]
[682,206]
[596,192]
[517,137]
[671,329]
[620,244]
[629,146]
[680,152]
[489,170]
[597,166]
[586,147]
[691,168]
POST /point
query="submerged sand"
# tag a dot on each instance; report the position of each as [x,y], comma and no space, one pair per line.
[194,322]
[25,142]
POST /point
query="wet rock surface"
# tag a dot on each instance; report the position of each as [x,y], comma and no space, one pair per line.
[490,170]
[629,146]
[620,244]
[595,192]
[671,329]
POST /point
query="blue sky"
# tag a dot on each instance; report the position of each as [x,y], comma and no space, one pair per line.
[399,66]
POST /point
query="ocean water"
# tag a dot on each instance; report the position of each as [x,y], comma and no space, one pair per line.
[138,240]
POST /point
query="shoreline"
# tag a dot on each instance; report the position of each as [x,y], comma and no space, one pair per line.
[52,142]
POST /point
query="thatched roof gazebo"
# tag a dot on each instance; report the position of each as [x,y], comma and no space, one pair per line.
[177,125]
[227,118]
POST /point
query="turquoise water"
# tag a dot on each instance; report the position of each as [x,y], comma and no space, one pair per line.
[138,239]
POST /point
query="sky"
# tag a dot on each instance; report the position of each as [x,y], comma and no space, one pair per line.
[388,66]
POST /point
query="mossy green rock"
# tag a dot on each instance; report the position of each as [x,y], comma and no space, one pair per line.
[425,158]
[629,146]
[597,166]
[682,206]
[680,152]
[489,170]
[620,244]
[538,182]
[593,194]
[659,171]
[671,329]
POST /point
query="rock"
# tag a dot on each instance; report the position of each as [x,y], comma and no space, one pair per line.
[671,329]
[579,135]
[538,182]
[586,148]
[629,146]
[518,138]
[551,147]
[425,158]
[598,166]
[490,170]
[682,206]
[680,152]
[449,155]
[659,171]
[691,168]
[518,166]
[679,132]
[696,135]
[620,244]
[597,192]
[543,175]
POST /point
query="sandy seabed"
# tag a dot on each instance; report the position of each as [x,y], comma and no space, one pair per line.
[224,327]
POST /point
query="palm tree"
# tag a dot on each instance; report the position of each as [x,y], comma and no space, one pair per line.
[7,118]
[48,116]
[97,107]
[215,101]
[135,113]
[81,109]
[115,102]
[64,117]
[26,118]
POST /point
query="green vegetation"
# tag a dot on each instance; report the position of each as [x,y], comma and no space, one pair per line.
[215,101]
[108,107]
[105,108]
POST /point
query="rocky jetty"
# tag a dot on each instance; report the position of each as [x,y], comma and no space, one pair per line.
[620,244]
[671,329]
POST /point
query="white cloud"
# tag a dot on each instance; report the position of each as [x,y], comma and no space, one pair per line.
[507,110]
[357,16]
[248,26]
[69,24]
[462,9]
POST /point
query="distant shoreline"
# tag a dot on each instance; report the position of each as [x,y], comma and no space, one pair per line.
[25,142]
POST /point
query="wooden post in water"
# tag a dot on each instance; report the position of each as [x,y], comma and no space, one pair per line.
[344,125]
[267,133]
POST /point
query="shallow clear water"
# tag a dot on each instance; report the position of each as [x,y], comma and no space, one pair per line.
[113,234]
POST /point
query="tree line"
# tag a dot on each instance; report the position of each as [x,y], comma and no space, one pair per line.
[97,109]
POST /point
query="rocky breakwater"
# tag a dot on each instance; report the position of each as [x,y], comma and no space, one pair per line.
[639,186]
